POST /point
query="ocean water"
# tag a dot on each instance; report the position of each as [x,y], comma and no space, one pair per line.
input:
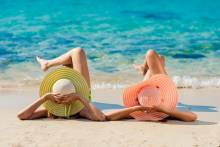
[115,34]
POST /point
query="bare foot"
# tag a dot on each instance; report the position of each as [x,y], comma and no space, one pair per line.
[142,70]
[43,63]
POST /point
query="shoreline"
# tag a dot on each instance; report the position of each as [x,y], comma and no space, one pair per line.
[32,75]
[100,86]
[117,84]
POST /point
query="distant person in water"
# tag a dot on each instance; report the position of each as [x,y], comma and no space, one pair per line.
[76,59]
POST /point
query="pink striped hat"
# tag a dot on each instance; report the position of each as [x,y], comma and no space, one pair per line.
[158,90]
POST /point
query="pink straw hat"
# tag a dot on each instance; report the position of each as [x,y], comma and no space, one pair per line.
[158,90]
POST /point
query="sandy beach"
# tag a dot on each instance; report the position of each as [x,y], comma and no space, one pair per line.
[204,132]
[114,35]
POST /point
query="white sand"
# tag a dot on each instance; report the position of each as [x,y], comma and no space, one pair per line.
[45,133]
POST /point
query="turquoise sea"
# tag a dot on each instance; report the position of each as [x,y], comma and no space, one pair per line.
[115,34]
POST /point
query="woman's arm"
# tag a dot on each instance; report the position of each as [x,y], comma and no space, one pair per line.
[92,111]
[124,113]
[95,113]
[31,112]
[180,115]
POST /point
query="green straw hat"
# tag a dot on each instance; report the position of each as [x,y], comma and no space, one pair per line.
[64,80]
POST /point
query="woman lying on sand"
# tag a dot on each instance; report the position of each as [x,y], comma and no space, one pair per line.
[76,59]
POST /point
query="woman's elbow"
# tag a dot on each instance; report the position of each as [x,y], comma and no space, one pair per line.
[193,117]
[23,117]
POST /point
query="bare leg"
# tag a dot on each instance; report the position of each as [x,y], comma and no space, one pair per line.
[162,60]
[64,59]
[74,58]
[144,69]
[154,63]
[79,62]
[148,74]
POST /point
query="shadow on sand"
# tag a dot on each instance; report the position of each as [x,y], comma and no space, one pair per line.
[180,106]
[197,122]
[106,106]
[196,108]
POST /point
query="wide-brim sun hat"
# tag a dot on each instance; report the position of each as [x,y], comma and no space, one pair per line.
[54,80]
[163,91]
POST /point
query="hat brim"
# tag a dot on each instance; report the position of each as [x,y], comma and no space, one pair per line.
[79,83]
[168,95]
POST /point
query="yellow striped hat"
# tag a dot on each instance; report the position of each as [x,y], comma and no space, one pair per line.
[79,84]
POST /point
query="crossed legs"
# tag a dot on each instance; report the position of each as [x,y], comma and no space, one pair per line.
[75,58]
[153,64]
